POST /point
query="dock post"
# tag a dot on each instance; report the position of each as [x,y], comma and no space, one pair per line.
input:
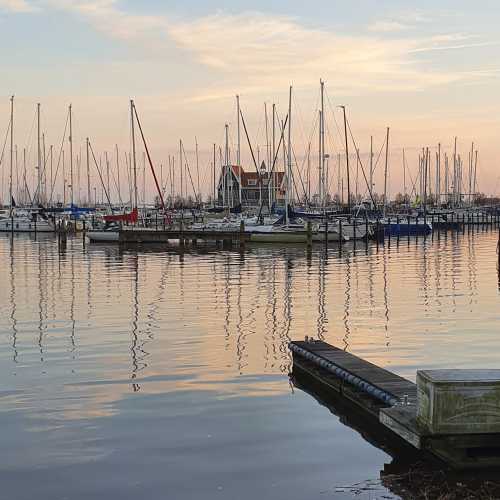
[326,232]
[366,229]
[84,232]
[354,231]
[309,234]
[340,237]
[399,230]
[390,231]
[242,234]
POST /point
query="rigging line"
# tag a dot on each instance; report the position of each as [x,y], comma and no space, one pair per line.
[149,158]
[28,140]
[292,177]
[361,164]
[100,176]
[114,181]
[275,158]
[189,170]
[5,143]
[341,135]
[35,194]
[300,175]
[250,145]
[405,166]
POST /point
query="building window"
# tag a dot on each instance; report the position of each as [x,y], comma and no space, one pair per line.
[252,182]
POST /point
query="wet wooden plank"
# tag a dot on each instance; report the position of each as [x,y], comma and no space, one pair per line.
[379,377]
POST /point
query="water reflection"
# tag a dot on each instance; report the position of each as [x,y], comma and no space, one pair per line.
[258,300]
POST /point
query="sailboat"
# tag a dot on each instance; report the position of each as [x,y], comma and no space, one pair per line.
[24,221]
[113,222]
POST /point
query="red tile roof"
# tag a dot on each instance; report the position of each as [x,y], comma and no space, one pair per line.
[246,176]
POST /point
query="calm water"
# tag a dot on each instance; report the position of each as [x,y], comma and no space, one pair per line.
[159,374]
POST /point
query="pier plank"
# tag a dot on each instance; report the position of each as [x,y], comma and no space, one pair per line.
[379,377]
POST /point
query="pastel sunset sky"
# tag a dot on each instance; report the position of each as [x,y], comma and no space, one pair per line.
[429,72]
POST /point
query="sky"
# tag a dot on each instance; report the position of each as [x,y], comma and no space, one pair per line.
[429,72]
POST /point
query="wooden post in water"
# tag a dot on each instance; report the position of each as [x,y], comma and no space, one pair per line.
[366,229]
[340,237]
[326,232]
[242,234]
[309,234]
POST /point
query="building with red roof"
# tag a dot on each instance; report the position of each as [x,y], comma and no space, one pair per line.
[255,186]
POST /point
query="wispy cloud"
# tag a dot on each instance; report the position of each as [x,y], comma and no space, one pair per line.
[387,26]
[16,6]
[270,51]
[251,51]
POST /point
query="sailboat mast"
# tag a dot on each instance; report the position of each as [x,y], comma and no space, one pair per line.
[347,163]
[180,166]
[11,151]
[118,173]
[39,156]
[71,153]
[289,164]
[272,178]
[320,176]
[322,144]
[198,196]
[134,158]
[371,166]
[226,162]
[213,174]
[386,167]
[238,153]
[455,172]
[404,177]
[89,196]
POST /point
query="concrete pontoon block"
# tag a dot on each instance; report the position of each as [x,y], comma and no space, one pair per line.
[459,401]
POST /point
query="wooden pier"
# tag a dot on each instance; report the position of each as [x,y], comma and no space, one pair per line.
[139,236]
[392,403]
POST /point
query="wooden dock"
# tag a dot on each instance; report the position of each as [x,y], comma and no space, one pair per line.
[140,236]
[392,402]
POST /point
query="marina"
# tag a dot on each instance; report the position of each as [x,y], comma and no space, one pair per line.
[261,298]
[249,250]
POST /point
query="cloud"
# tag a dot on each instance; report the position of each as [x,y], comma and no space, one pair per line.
[253,52]
[388,26]
[107,17]
[262,51]
[16,6]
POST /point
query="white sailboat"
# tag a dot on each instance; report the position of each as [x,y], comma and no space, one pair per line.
[23,221]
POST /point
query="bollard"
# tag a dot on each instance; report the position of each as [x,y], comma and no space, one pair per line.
[326,232]
[366,229]
[340,237]
[309,234]
[242,234]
